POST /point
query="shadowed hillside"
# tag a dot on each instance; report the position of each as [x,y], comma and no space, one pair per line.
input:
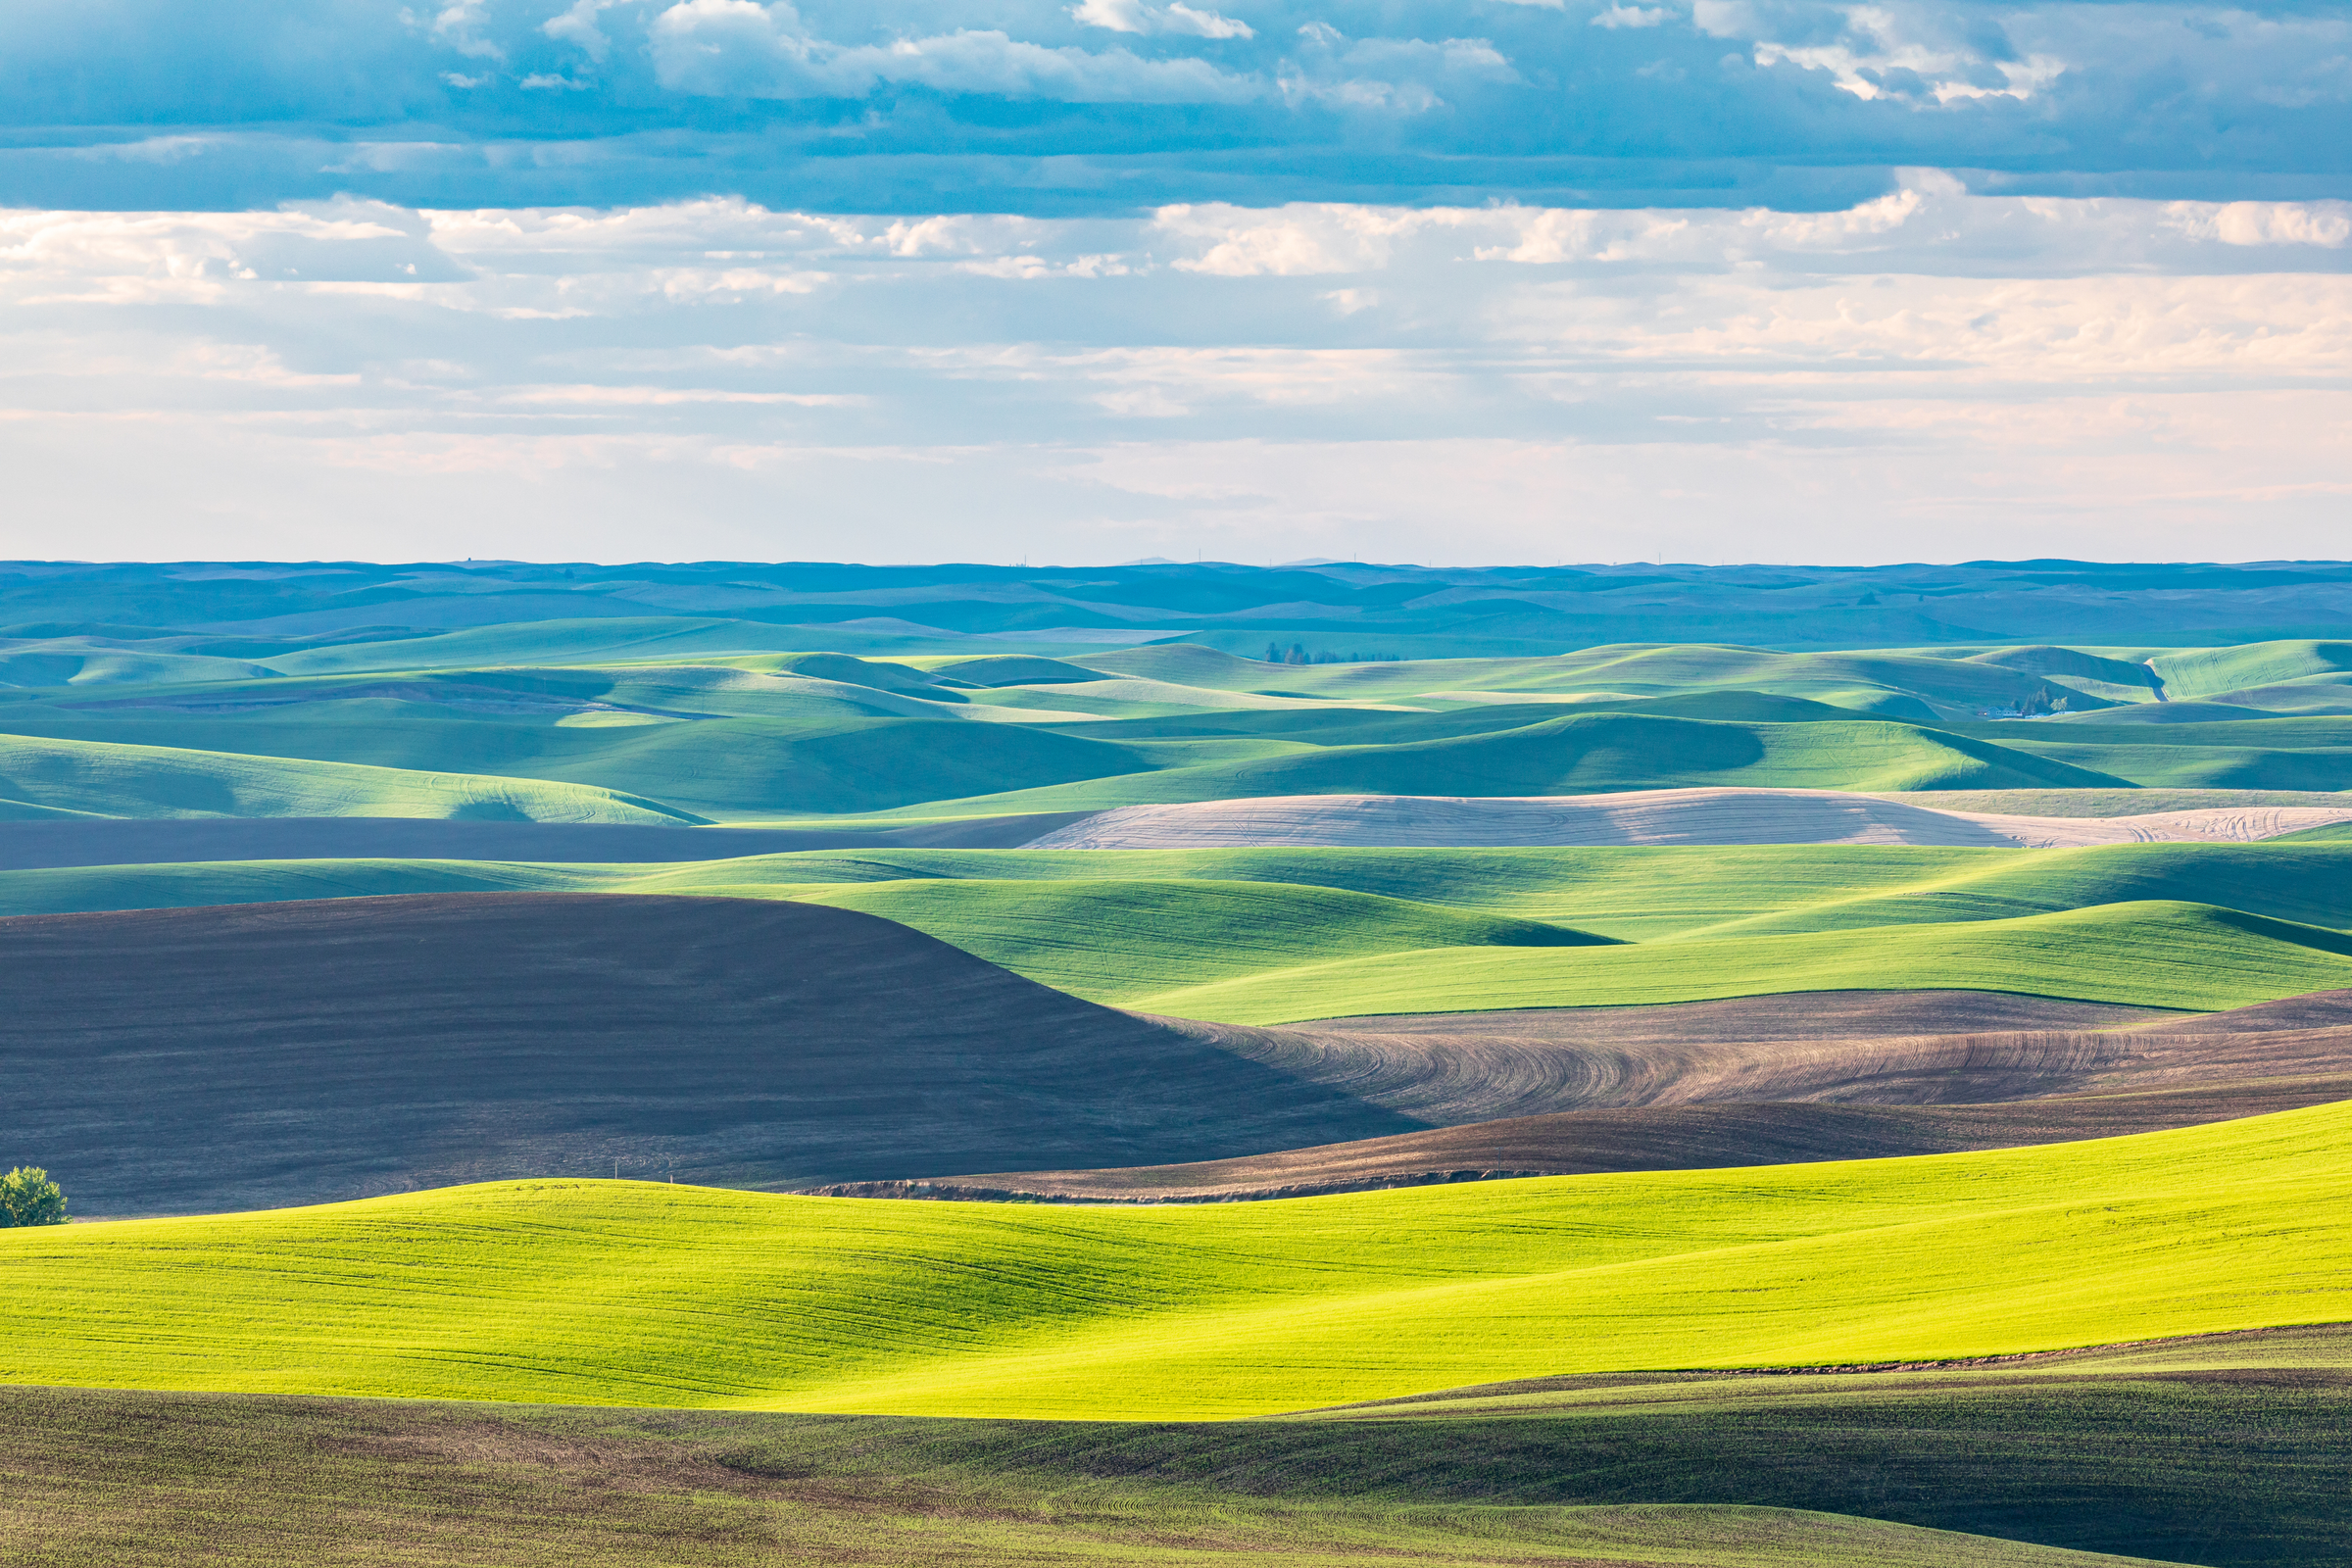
[180,1060]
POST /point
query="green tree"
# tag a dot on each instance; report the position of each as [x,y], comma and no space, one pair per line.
[27,1196]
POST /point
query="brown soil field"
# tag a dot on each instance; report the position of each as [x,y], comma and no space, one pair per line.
[27,846]
[1649,1138]
[1769,1080]
[1876,1047]
[183,1061]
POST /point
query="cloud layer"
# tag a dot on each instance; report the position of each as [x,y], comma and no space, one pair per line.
[1927,374]
[1108,107]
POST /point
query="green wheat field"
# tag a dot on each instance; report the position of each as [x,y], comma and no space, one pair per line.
[641,1089]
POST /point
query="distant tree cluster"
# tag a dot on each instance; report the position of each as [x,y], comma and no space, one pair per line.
[27,1196]
[1297,654]
[2038,705]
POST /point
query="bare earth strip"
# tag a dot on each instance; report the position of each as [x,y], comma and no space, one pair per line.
[1755,1082]
[1694,816]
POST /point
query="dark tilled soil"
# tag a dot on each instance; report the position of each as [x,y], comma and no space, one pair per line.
[1899,1049]
[1774,1080]
[185,1060]
[1646,1138]
[1802,1015]
[24,846]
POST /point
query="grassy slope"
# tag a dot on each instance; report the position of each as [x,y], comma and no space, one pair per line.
[2194,672]
[49,777]
[425,1486]
[766,745]
[786,752]
[2156,955]
[1868,681]
[1134,926]
[2333,833]
[2148,1466]
[766,733]
[1594,753]
[1105,940]
[2255,753]
[629,1293]
[1632,892]
[2307,883]
[668,637]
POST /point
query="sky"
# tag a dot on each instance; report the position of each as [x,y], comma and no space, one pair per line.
[1485,281]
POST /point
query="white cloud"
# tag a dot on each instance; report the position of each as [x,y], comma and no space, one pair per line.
[1288,242]
[1908,52]
[737,48]
[579,25]
[455,27]
[1330,379]
[2322,223]
[1133,15]
[1625,16]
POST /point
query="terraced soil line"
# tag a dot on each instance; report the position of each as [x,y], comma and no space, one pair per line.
[1707,816]
[1762,1082]
[1589,1142]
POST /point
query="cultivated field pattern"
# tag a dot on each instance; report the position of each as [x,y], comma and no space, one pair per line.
[1329,1064]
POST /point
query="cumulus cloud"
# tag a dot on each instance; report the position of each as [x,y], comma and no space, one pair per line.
[2266,222]
[578,26]
[736,47]
[1618,101]
[1976,363]
[1133,15]
[459,26]
[1879,50]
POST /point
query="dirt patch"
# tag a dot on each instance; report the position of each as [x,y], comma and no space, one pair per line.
[1649,1138]
[1762,1081]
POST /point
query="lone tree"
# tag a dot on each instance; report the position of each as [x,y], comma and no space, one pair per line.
[27,1196]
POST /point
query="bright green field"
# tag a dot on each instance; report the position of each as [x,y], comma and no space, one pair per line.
[1266,935]
[1103,939]
[636,1293]
[659,711]
[1632,894]
[66,778]
[2153,954]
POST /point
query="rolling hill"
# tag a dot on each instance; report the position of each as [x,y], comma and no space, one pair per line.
[706,1297]
[1106,939]
[2156,953]
[45,780]
[447,1486]
[290,1053]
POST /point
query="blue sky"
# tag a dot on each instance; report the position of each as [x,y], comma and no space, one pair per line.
[1101,106]
[1100,279]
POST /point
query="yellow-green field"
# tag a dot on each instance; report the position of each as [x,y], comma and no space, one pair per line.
[637,1294]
